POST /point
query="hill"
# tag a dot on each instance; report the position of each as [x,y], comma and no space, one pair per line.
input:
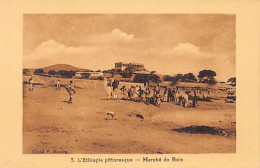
[58,67]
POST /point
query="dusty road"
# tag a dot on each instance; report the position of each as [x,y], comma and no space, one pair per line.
[53,126]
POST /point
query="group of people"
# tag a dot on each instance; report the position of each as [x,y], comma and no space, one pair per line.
[111,87]
[149,94]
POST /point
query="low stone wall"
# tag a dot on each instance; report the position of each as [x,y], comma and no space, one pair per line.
[52,81]
[82,83]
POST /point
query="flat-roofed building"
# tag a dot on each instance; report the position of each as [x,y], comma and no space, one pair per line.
[122,65]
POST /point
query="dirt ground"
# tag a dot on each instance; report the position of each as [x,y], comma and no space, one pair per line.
[50,125]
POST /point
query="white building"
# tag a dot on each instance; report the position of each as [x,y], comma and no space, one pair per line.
[122,65]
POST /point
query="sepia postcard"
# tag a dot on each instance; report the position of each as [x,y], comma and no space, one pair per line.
[90,85]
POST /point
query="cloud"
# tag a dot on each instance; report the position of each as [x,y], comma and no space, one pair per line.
[102,54]
[52,52]
[187,57]
[183,48]
[52,47]
[116,36]
[119,35]
[102,51]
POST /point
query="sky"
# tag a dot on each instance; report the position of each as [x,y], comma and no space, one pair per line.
[165,43]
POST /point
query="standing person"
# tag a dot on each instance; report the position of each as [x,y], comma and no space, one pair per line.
[111,85]
[186,99]
[152,95]
[157,99]
[204,95]
[52,83]
[157,88]
[31,87]
[132,93]
[165,95]
[124,92]
[177,96]
[173,95]
[146,96]
[105,82]
[145,82]
[147,93]
[109,89]
[115,88]
[58,85]
[169,97]
[194,100]
[141,94]
[30,79]
[135,92]
[70,90]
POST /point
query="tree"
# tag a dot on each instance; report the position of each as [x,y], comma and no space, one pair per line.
[189,77]
[129,69]
[52,72]
[38,72]
[232,80]
[206,75]
[142,78]
[155,78]
[168,78]
[176,79]
[25,71]
[126,75]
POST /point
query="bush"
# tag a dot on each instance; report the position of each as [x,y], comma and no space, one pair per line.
[52,72]
[212,82]
[38,72]
[66,74]
[141,78]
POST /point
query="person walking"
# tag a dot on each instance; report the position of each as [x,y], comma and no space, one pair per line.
[70,90]
[31,84]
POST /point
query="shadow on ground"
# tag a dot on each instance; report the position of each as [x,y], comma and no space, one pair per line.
[206,130]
